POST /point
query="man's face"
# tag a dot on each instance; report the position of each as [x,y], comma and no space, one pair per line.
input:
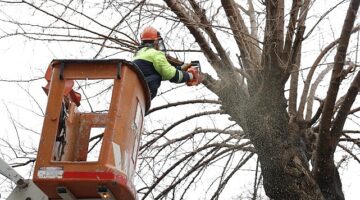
[161,45]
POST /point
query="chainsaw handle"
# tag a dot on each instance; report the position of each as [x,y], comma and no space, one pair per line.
[196,63]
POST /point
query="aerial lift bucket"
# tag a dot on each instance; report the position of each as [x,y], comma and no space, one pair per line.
[62,170]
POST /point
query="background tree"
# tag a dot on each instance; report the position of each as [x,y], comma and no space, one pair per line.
[253,81]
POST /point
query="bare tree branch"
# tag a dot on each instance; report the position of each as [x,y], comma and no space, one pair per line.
[183,103]
[312,71]
[324,168]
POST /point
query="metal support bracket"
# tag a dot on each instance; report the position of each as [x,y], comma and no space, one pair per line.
[105,193]
[65,194]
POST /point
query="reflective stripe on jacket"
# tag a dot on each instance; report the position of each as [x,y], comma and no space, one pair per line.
[155,67]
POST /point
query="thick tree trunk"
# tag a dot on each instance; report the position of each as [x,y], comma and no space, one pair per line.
[261,108]
[284,166]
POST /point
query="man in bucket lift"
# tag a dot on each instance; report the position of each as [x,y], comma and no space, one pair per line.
[151,60]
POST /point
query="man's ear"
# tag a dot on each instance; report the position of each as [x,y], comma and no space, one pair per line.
[156,44]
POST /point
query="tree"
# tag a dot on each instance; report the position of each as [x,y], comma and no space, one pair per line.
[257,85]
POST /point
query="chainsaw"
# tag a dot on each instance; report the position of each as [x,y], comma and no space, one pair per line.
[194,68]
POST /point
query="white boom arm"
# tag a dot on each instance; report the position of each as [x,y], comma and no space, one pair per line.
[7,171]
[25,189]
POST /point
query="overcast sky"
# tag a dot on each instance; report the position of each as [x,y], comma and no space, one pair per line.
[23,60]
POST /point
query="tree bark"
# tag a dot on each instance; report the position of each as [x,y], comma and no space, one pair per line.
[263,113]
[284,166]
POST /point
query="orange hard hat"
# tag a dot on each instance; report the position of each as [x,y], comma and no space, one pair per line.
[150,33]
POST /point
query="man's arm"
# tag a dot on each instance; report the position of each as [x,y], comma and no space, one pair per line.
[169,72]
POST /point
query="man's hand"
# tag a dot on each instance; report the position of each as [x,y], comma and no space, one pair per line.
[185,66]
